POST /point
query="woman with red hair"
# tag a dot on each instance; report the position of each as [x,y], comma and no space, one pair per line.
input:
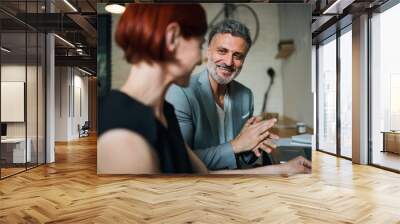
[139,133]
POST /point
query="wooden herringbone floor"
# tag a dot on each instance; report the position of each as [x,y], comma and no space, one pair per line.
[69,191]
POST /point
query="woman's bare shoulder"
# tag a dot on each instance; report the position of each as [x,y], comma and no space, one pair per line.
[122,151]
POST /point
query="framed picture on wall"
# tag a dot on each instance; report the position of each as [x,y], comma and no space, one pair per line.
[12,101]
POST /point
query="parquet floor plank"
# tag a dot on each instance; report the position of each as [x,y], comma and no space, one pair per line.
[70,191]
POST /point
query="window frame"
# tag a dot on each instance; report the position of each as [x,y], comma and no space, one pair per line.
[334,37]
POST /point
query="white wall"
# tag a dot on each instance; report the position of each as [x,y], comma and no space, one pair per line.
[62,103]
[69,81]
[79,117]
[295,23]
[119,67]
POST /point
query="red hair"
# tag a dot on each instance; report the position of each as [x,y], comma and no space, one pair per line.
[141,28]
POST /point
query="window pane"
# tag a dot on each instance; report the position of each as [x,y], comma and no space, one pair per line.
[386,88]
[346,94]
[327,97]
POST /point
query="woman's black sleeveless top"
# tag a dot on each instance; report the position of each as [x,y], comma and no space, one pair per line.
[118,110]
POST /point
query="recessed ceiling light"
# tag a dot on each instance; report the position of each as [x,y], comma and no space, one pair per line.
[115,8]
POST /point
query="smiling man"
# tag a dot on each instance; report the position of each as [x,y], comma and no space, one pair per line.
[215,112]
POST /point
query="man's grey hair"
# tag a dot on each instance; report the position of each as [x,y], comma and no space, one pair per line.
[233,27]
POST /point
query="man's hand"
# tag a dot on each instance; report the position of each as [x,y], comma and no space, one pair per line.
[254,134]
[250,121]
[267,145]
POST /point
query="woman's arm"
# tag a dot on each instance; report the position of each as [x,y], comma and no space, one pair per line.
[294,166]
[120,151]
[197,165]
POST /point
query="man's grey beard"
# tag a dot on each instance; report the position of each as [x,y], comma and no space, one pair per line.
[212,70]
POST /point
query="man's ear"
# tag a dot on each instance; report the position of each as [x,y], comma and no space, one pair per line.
[172,36]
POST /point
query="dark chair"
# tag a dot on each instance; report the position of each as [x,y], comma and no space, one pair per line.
[84,130]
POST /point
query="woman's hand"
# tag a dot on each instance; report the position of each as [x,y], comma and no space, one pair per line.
[297,165]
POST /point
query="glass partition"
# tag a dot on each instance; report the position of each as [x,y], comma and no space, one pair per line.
[14,153]
[22,77]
